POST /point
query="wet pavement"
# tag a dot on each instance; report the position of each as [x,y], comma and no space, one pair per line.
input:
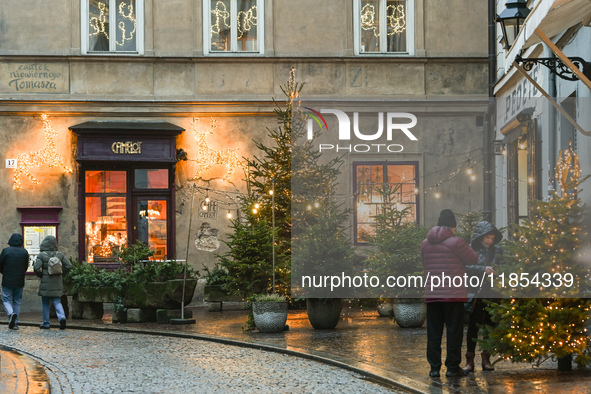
[363,342]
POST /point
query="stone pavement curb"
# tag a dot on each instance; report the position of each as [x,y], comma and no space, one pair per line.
[372,373]
[21,374]
[377,375]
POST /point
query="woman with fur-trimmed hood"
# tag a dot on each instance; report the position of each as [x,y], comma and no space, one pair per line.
[484,242]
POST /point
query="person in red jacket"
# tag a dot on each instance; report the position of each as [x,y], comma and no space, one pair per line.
[445,257]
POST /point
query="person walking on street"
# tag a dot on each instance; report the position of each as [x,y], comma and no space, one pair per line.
[484,242]
[445,255]
[14,262]
[50,265]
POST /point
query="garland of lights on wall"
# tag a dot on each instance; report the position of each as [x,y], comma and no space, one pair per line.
[47,155]
[208,156]
[245,20]
[98,23]
[395,15]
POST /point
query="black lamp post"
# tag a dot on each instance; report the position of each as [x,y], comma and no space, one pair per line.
[511,19]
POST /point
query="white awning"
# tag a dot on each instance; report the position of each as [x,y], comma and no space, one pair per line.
[551,17]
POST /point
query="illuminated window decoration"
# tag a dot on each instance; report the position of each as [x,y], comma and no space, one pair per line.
[130,16]
[207,157]
[395,15]
[384,26]
[97,23]
[245,21]
[111,25]
[232,26]
[46,156]
[221,15]
[102,247]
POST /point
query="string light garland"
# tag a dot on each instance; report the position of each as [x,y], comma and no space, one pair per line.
[245,19]
[395,15]
[131,18]
[99,24]
[47,155]
[207,157]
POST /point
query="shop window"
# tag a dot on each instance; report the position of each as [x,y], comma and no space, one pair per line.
[151,179]
[112,26]
[106,214]
[370,181]
[233,26]
[384,26]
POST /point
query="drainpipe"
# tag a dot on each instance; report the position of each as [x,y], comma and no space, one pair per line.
[488,123]
[552,126]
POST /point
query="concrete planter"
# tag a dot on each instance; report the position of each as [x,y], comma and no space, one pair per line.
[93,294]
[386,308]
[324,313]
[269,316]
[158,295]
[410,312]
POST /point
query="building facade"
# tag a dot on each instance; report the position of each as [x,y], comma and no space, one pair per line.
[535,102]
[117,114]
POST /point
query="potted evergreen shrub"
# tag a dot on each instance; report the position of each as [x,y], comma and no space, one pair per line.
[323,248]
[397,253]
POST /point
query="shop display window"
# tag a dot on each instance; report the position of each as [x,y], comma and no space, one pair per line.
[106,214]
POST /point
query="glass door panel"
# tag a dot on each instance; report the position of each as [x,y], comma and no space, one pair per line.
[152,225]
[106,215]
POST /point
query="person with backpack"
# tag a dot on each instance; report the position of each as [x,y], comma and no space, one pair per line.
[14,262]
[50,266]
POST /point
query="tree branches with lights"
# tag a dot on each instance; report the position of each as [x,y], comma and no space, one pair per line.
[542,249]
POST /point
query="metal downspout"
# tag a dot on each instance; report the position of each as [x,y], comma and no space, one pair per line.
[488,123]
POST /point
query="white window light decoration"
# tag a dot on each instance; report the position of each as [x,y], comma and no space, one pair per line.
[383,27]
[232,26]
[112,26]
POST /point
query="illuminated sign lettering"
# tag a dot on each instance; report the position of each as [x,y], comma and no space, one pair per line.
[126,148]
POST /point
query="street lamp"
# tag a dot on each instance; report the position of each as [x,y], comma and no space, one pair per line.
[511,19]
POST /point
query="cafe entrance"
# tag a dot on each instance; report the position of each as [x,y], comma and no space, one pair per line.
[126,188]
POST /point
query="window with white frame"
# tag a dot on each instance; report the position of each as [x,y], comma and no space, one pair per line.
[112,26]
[384,26]
[233,26]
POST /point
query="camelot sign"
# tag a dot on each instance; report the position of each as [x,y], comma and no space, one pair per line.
[126,148]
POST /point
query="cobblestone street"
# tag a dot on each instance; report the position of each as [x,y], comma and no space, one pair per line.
[108,362]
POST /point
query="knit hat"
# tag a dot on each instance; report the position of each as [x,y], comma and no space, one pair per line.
[447,218]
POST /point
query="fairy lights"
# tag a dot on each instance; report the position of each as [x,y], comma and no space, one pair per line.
[245,19]
[395,15]
[99,24]
[207,157]
[47,155]
[131,18]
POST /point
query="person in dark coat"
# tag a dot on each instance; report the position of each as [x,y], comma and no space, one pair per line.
[445,255]
[14,261]
[484,242]
[51,287]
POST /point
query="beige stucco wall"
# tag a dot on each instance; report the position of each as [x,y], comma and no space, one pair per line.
[174,82]
[293,28]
